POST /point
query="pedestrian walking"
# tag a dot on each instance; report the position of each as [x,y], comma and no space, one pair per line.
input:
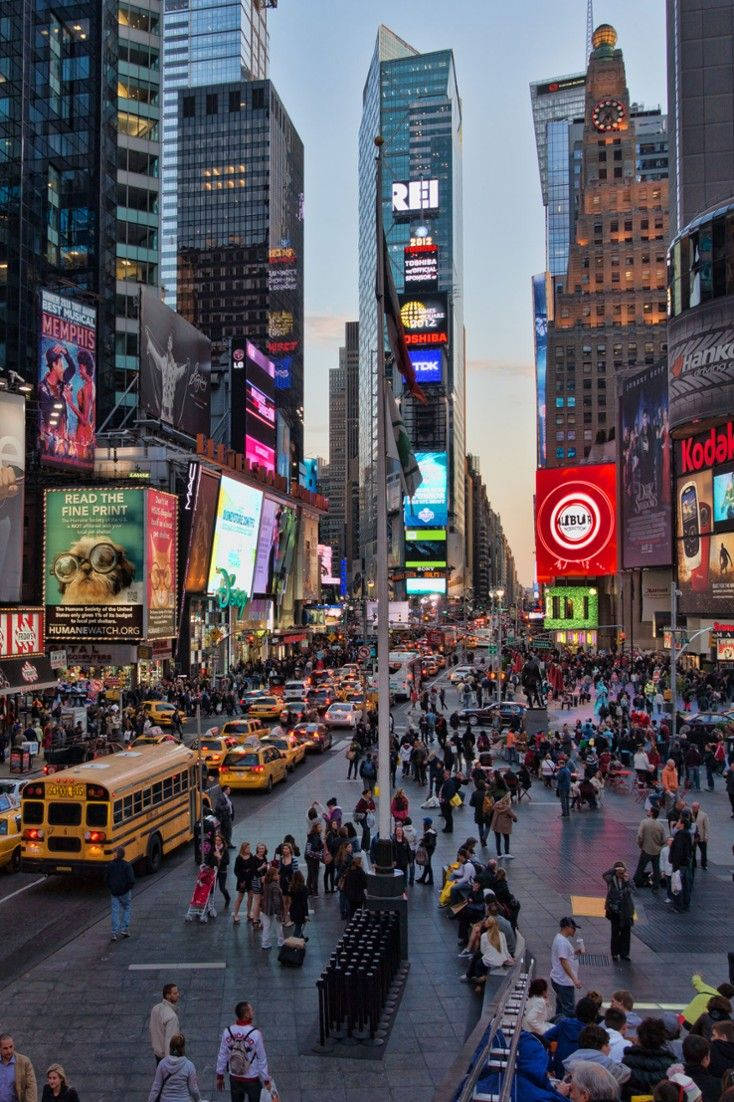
[701,834]
[57,1086]
[120,879]
[163,1023]
[259,868]
[563,788]
[502,819]
[681,860]
[355,886]
[17,1078]
[619,909]
[364,814]
[314,852]
[564,973]
[651,839]
[243,868]
[299,903]
[242,1056]
[271,910]
[175,1077]
[424,852]
[224,811]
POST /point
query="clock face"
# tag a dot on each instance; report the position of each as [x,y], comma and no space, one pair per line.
[607,115]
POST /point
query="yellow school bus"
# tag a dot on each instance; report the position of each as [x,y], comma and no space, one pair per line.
[145,799]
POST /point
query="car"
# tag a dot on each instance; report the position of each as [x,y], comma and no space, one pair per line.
[11,788]
[9,834]
[292,748]
[295,690]
[460,674]
[152,738]
[253,767]
[296,711]
[314,736]
[213,748]
[489,713]
[342,713]
[249,697]
[161,712]
[266,707]
[320,677]
[320,699]
[243,730]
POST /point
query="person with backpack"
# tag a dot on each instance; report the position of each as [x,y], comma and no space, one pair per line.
[242,1056]
[425,850]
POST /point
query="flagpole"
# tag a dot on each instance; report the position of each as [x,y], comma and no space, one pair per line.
[384,859]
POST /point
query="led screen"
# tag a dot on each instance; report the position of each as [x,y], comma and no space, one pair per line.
[267,547]
[235,537]
[414,586]
[576,521]
[427,364]
[428,507]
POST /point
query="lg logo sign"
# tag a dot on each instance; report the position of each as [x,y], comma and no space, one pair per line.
[414,196]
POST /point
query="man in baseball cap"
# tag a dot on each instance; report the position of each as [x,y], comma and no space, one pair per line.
[564,973]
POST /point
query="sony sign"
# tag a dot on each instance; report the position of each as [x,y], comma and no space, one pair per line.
[413,197]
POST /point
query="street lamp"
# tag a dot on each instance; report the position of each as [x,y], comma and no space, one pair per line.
[499,594]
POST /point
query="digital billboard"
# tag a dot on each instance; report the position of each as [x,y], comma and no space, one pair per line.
[411,197]
[309,557]
[704,495]
[201,504]
[161,535]
[425,548]
[94,568]
[645,469]
[415,586]
[420,267]
[175,367]
[287,519]
[66,381]
[427,364]
[571,606]
[575,521]
[267,548]
[540,315]
[428,508]
[12,487]
[425,319]
[326,568]
[235,543]
[259,440]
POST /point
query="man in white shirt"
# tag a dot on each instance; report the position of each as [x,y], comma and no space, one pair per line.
[242,1055]
[164,1022]
[564,973]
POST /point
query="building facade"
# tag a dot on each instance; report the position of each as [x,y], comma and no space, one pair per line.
[58,162]
[204,42]
[332,530]
[412,101]
[608,311]
[489,558]
[240,235]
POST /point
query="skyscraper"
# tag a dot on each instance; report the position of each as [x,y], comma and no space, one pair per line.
[138,176]
[412,101]
[58,149]
[204,42]
[240,235]
[340,526]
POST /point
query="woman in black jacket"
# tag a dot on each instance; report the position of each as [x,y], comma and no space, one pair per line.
[401,850]
[299,903]
[355,885]
[619,908]
[648,1060]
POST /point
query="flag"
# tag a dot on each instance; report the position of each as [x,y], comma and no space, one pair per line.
[398,446]
[395,331]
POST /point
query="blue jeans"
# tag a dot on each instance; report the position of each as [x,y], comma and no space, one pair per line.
[565,999]
[565,804]
[694,777]
[121,906]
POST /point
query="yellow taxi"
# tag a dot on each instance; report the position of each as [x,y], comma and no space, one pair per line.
[10,834]
[253,767]
[162,713]
[266,707]
[154,738]
[242,730]
[292,748]
[214,748]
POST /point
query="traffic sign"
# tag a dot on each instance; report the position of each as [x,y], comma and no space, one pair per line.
[363,653]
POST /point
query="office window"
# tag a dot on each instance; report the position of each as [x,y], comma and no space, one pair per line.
[211,103]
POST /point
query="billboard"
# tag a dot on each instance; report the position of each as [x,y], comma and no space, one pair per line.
[426,586]
[267,547]
[425,319]
[285,549]
[540,317]
[410,197]
[161,544]
[427,364]
[571,606]
[420,267]
[201,503]
[700,355]
[12,487]
[21,632]
[94,569]
[175,367]
[428,508]
[235,543]
[258,443]
[425,548]
[575,521]
[66,381]
[704,496]
[645,469]
[326,568]
[309,560]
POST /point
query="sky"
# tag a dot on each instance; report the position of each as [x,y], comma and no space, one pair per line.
[320,52]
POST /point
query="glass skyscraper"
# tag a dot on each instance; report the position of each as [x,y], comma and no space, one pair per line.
[412,101]
[204,42]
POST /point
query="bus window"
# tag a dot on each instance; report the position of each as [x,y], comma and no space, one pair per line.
[32,812]
[168,788]
[97,815]
[117,813]
[127,807]
[138,802]
[157,792]
[64,814]
[147,797]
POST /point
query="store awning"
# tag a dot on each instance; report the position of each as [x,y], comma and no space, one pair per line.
[26,675]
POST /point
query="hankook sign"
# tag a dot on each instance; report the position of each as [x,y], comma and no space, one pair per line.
[701,363]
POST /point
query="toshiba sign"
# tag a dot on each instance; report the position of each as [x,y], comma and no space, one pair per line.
[575,521]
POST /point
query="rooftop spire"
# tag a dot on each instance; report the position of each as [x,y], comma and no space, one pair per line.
[589,28]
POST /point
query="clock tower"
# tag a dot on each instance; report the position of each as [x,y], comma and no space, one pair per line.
[609,139]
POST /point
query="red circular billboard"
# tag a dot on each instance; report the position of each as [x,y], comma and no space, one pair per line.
[575,521]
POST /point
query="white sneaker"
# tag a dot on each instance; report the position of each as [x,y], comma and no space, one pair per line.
[509,856]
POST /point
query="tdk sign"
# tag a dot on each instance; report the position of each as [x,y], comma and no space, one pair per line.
[411,197]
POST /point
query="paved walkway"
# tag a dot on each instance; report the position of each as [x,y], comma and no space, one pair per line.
[87,1007]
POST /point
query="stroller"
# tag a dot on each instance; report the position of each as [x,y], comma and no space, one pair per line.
[202,900]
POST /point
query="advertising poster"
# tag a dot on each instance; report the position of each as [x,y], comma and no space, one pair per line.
[267,548]
[202,530]
[425,319]
[428,508]
[427,364]
[425,586]
[253,375]
[704,500]
[420,268]
[540,314]
[235,542]
[12,486]
[326,565]
[175,367]
[287,522]
[161,531]
[21,632]
[309,560]
[94,576]
[645,469]
[66,381]
[575,521]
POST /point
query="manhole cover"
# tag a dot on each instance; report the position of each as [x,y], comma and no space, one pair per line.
[596,960]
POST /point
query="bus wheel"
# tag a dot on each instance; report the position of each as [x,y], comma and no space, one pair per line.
[154,856]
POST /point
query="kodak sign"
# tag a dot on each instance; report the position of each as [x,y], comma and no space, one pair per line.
[707,450]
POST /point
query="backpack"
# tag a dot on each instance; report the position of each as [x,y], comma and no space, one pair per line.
[239,1058]
[487,806]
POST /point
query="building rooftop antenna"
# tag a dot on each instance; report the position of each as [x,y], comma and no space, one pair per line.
[589,28]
